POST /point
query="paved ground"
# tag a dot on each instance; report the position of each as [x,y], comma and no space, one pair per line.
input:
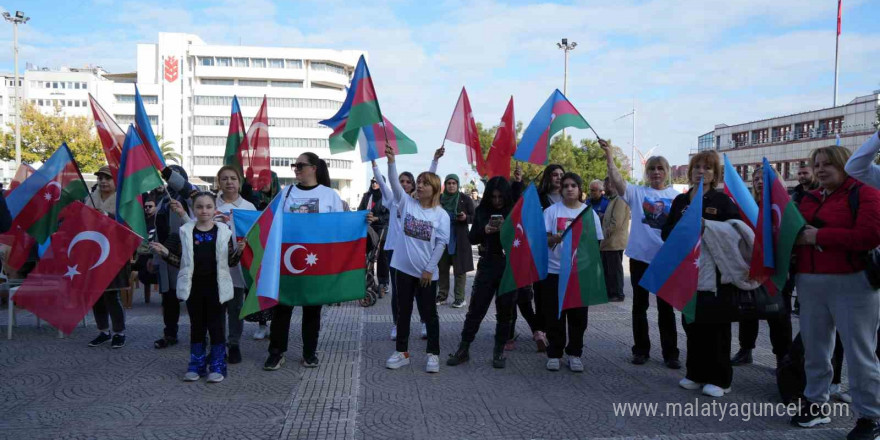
[54,388]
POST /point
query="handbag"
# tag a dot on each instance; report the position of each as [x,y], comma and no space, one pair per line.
[732,304]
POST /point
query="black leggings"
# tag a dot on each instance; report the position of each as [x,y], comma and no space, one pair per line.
[206,314]
[485,289]
[408,288]
[572,323]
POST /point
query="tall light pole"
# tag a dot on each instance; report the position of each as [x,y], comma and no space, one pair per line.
[633,150]
[566,47]
[19,18]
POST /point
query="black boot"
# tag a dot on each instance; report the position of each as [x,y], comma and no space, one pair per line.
[498,359]
[742,357]
[460,356]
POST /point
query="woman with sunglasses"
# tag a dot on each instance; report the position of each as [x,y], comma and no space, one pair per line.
[311,194]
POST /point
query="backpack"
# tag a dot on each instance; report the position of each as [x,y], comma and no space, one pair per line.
[872,258]
[790,376]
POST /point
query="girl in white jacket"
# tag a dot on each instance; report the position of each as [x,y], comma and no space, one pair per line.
[204,252]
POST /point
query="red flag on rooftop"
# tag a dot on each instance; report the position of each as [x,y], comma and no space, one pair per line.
[463,130]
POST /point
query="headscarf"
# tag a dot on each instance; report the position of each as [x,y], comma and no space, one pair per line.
[450,201]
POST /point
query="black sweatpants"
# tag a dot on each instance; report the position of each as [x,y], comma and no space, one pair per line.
[666,317]
[408,288]
[780,330]
[524,298]
[708,353]
[206,314]
[280,329]
[489,271]
[612,263]
[170,313]
[572,321]
[109,308]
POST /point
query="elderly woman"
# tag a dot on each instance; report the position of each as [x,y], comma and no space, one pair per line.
[835,293]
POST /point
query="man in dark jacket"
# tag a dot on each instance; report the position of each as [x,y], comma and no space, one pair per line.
[806,183]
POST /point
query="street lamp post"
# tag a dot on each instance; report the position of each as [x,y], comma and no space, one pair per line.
[19,18]
[566,47]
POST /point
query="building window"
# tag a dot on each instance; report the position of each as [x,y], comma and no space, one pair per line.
[760,136]
[252,83]
[325,86]
[83,85]
[129,99]
[54,85]
[206,61]
[258,62]
[740,139]
[339,163]
[124,120]
[217,82]
[40,101]
[276,63]
[294,64]
[781,133]
[223,121]
[224,61]
[242,62]
[294,84]
[83,103]
[327,67]
[830,127]
[804,130]
[256,101]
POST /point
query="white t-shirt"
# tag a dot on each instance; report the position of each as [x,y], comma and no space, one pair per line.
[557,217]
[422,229]
[226,208]
[311,201]
[650,209]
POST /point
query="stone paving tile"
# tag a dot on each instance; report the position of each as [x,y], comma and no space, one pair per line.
[53,388]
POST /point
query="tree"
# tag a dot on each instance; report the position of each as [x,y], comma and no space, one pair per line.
[168,152]
[42,134]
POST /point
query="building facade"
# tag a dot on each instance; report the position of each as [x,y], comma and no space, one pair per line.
[786,141]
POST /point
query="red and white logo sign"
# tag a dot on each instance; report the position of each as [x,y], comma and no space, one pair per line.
[171,69]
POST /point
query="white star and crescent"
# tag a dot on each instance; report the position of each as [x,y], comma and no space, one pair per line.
[516,241]
[94,236]
[311,259]
[71,271]
[48,195]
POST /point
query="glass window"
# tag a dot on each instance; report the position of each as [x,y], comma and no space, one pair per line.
[294,84]
[206,61]
[258,62]
[252,83]
[224,61]
[69,85]
[217,82]
[40,102]
[327,67]
[294,64]
[242,62]
[83,85]
[276,63]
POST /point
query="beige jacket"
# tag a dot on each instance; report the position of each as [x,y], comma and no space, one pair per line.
[615,225]
[108,206]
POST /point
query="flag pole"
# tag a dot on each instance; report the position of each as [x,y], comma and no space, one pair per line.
[837,49]
[79,173]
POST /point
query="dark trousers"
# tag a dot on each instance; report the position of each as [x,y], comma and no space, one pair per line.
[382,261]
[233,309]
[780,330]
[206,314]
[486,282]
[612,262]
[109,308]
[170,313]
[572,320]
[280,329]
[393,273]
[666,317]
[708,353]
[524,298]
[408,288]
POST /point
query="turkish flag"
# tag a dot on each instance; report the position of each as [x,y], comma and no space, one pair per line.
[463,130]
[503,146]
[86,253]
[20,246]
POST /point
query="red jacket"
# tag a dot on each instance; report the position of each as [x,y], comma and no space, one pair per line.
[843,239]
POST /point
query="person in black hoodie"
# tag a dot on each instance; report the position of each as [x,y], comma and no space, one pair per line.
[497,203]
[372,201]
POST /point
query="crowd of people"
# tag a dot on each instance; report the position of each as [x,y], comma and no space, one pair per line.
[429,226]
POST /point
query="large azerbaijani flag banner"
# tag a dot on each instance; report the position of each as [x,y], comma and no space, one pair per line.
[524,239]
[581,276]
[556,114]
[313,259]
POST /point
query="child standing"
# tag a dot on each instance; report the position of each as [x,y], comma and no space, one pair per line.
[204,252]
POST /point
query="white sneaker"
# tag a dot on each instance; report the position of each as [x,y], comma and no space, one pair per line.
[553,364]
[714,390]
[575,364]
[215,377]
[393,332]
[191,376]
[261,333]
[837,394]
[433,364]
[424,331]
[397,360]
[689,384]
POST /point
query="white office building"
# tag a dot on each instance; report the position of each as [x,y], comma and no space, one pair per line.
[187,87]
[786,141]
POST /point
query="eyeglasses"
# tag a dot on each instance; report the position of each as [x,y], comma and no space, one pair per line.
[300,165]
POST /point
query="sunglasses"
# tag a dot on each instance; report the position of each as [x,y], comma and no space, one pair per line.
[300,165]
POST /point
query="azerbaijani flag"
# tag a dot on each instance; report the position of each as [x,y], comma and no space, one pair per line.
[776,233]
[37,202]
[137,175]
[145,131]
[236,140]
[556,114]
[581,277]
[372,140]
[673,273]
[736,189]
[360,109]
[317,258]
[524,239]
[262,235]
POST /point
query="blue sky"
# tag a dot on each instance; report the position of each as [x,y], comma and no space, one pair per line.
[689,64]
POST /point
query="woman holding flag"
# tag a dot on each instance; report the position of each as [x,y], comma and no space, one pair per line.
[650,207]
[416,254]
[557,219]
[311,194]
[708,344]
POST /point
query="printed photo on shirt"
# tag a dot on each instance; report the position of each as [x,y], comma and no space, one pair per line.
[656,211]
[419,229]
[562,223]
[305,206]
